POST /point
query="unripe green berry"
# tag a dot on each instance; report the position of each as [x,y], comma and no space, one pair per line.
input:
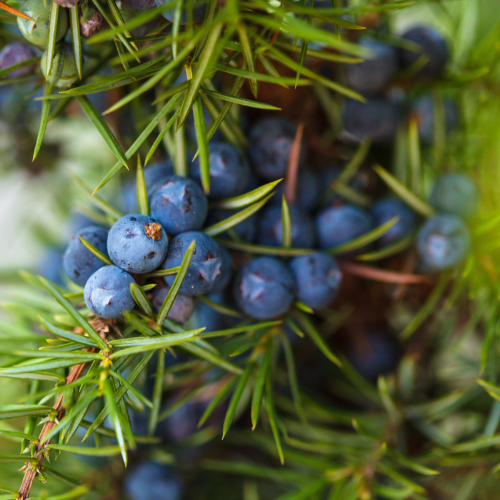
[69,74]
[37,32]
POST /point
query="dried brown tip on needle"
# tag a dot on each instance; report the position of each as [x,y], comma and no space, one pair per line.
[15,12]
[292,169]
[375,274]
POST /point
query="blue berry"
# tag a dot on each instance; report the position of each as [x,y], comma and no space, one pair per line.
[225,274]
[51,266]
[198,13]
[269,144]
[373,355]
[79,264]
[205,265]
[264,288]
[454,194]
[432,45]
[318,279]
[423,112]
[270,228]
[308,190]
[377,119]
[338,225]
[388,208]
[182,308]
[210,319]
[246,230]
[443,241]
[152,175]
[15,53]
[154,481]
[37,32]
[229,171]
[179,205]
[107,292]
[137,243]
[373,75]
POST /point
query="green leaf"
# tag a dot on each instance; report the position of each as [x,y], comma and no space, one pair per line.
[20,435]
[132,389]
[157,394]
[117,418]
[202,141]
[219,397]
[162,134]
[70,495]
[142,193]
[247,198]
[264,250]
[286,223]
[162,272]
[404,193]
[240,100]
[271,413]
[238,392]
[233,220]
[51,43]
[80,320]
[140,298]
[389,250]
[306,492]
[260,381]
[492,389]
[93,250]
[14,67]
[9,490]
[364,239]
[144,344]
[214,359]
[219,307]
[103,451]
[311,330]
[18,411]
[174,289]
[101,126]
[259,76]
[208,53]
[74,19]
[248,56]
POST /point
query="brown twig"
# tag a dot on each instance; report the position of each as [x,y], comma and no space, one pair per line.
[292,169]
[373,273]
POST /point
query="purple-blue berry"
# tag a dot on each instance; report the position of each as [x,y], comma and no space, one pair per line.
[226,272]
[308,190]
[182,308]
[264,288]
[374,74]
[338,225]
[154,481]
[15,53]
[424,112]
[78,262]
[388,208]
[318,278]
[137,243]
[246,229]
[179,205]
[454,194]
[205,265]
[229,171]
[269,144]
[270,228]
[107,292]
[443,242]
[432,45]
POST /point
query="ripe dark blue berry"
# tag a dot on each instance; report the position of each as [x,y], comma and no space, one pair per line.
[37,32]
[337,225]
[377,119]
[79,263]
[269,144]
[424,112]
[443,241]
[264,288]
[179,205]
[51,266]
[373,355]
[154,174]
[270,228]
[388,208]
[308,191]
[229,171]
[454,194]
[225,274]
[433,46]
[154,480]
[374,74]
[205,265]
[15,53]
[107,292]
[137,243]
[182,308]
[318,278]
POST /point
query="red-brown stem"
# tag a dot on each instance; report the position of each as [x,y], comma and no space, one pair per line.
[373,273]
[292,170]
